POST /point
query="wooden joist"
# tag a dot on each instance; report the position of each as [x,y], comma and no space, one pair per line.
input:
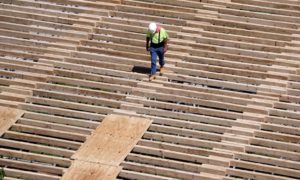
[30,175]
[79,91]
[62,112]
[134,174]
[29,166]
[101,71]
[41,149]
[89,84]
[267,160]
[226,110]
[54,126]
[58,7]
[41,140]
[77,98]
[28,156]
[150,169]
[61,120]
[68,105]
[181,149]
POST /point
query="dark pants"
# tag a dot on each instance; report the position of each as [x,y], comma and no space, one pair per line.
[154,52]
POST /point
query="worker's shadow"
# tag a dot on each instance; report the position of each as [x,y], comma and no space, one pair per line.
[141,69]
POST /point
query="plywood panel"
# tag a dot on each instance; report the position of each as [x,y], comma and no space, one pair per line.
[85,170]
[101,155]
[8,116]
[113,140]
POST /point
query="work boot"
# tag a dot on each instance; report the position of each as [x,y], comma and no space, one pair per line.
[162,70]
[152,77]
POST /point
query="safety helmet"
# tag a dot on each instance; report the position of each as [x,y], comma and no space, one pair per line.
[152,27]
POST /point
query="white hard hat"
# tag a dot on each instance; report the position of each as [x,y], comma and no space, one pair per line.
[152,27]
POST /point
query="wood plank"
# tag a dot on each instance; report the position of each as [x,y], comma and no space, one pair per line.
[285,114]
[167,163]
[275,17]
[259,21]
[43,17]
[277,136]
[11,64]
[26,35]
[70,105]
[201,102]
[32,42]
[8,116]
[61,120]
[99,74]
[42,140]
[58,7]
[254,175]
[90,84]
[149,169]
[268,160]
[188,141]
[79,91]
[49,12]
[54,126]
[273,5]
[272,152]
[35,157]
[102,64]
[183,149]
[29,175]
[205,93]
[62,112]
[133,174]
[281,121]
[104,5]
[160,6]
[58,152]
[10,104]
[25,28]
[77,98]
[111,141]
[81,170]
[237,4]
[141,23]
[276,144]
[265,168]
[34,50]
[243,32]
[141,16]
[288,130]
[190,121]
[185,132]
[110,57]
[49,132]
[221,113]
[31,166]
[24,75]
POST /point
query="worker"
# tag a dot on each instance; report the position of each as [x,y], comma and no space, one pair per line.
[158,38]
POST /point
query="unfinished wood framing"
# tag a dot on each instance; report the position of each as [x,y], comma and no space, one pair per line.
[227,108]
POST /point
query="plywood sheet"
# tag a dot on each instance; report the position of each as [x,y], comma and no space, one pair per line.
[92,171]
[113,140]
[8,116]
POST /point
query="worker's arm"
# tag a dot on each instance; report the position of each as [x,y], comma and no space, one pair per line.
[147,43]
[166,45]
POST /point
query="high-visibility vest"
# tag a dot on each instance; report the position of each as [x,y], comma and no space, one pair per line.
[158,37]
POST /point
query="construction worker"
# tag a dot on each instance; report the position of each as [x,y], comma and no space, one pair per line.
[158,38]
